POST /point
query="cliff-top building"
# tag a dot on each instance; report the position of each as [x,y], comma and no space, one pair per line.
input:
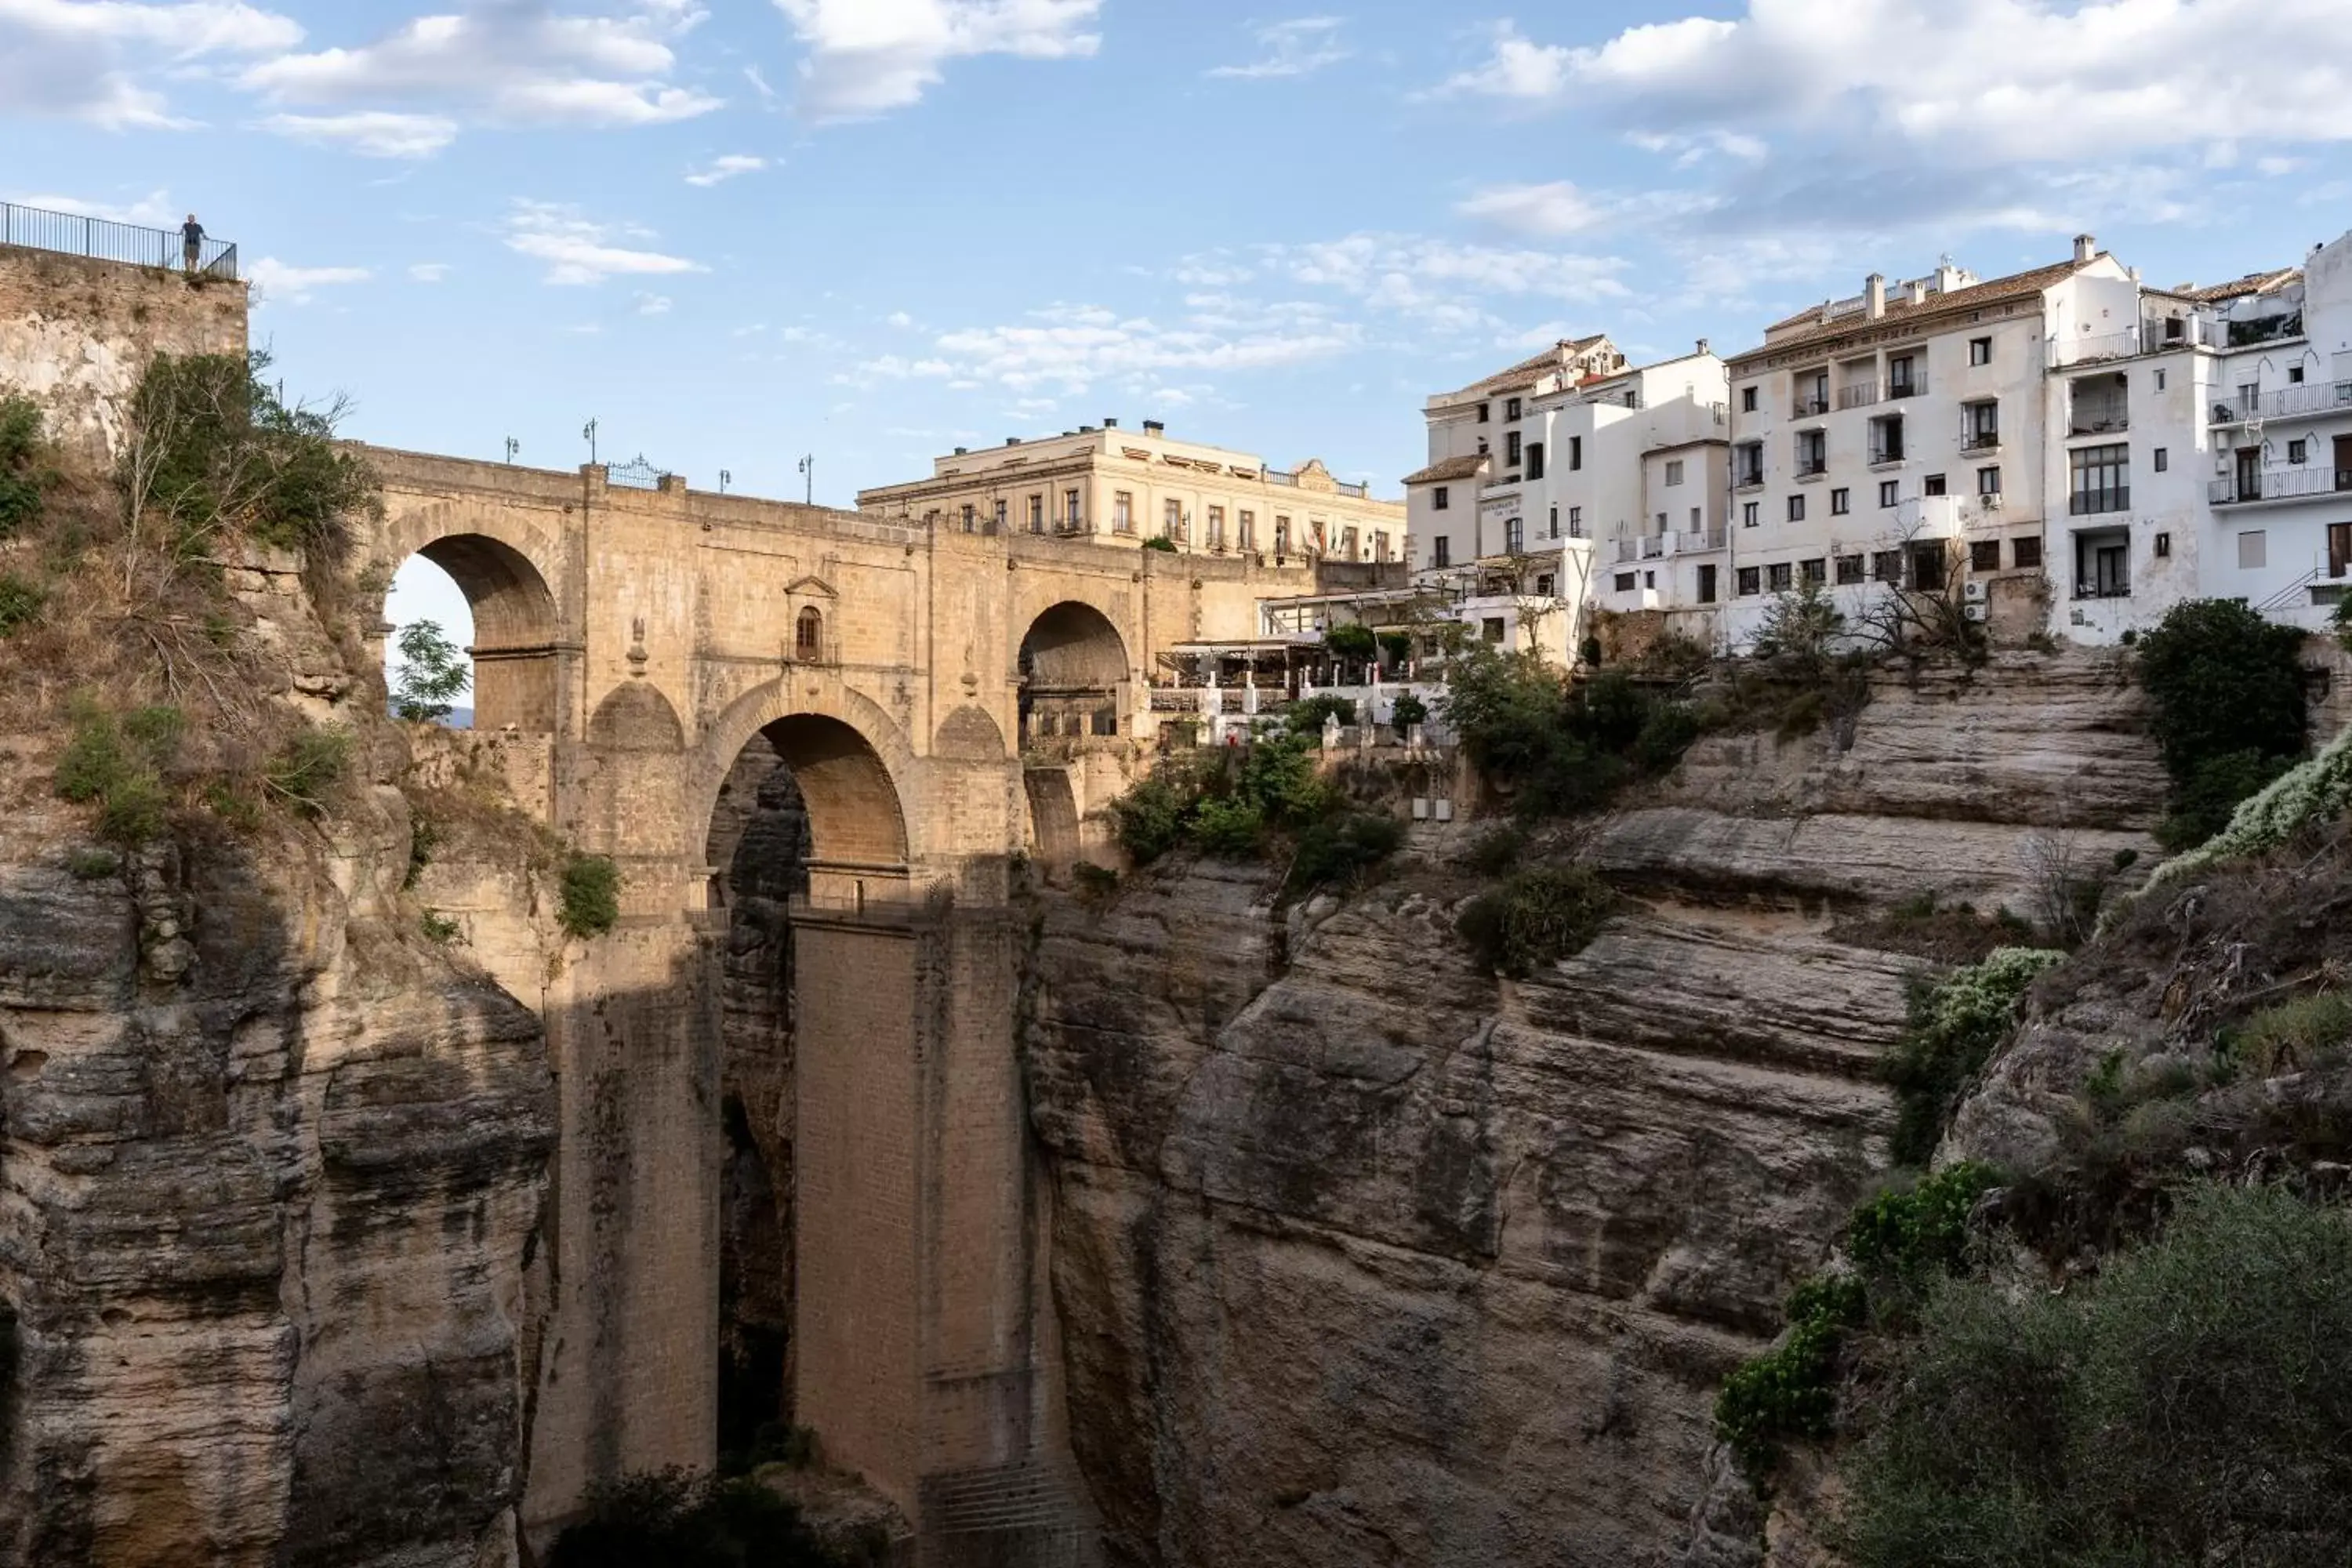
[1113,486]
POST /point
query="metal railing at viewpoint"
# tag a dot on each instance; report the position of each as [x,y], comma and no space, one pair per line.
[103,239]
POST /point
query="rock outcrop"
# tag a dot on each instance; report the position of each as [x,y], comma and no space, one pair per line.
[1363,1255]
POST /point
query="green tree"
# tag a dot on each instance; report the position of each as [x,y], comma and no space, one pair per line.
[433,673]
[22,476]
[2226,694]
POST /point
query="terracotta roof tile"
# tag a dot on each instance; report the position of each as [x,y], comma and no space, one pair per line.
[1528,369]
[1975,296]
[1451,469]
[2251,283]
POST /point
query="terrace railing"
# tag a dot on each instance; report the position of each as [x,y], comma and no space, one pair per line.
[103,239]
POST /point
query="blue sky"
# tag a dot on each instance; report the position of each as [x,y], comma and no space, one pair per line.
[735,232]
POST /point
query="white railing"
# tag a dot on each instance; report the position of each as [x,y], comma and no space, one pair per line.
[1654,545]
[2280,484]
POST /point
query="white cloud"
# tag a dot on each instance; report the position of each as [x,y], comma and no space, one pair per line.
[2022,80]
[578,251]
[371,134]
[1441,281]
[1068,349]
[1557,209]
[294,285]
[83,58]
[429,271]
[512,63]
[653,304]
[1299,47]
[153,210]
[722,169]
[900,319]
[867,58]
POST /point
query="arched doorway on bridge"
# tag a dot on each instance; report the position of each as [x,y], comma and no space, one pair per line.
[1073,664]
[487,598]
[808,843]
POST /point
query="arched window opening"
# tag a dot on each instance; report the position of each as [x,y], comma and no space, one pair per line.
[487,604]
[428,657]
[808,635]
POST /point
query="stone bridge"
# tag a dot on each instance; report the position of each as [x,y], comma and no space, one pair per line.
[826,1109]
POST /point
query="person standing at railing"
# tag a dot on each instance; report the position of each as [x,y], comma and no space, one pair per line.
[192,242]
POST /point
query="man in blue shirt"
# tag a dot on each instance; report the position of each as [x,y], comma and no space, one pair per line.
[192,241]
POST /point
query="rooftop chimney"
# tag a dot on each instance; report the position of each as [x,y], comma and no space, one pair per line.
[1012,440]
[1874,293]
[1154,427]
[1085,430]
[2085,248]
[1111,424]
[959,451]
[1705,347]
[1917,289]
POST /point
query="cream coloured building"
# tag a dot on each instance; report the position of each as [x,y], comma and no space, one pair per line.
[1123,486]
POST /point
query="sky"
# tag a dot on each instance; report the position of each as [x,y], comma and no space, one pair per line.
[738,233]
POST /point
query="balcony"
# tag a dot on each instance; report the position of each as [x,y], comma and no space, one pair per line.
[1692,543]
[1980,441]
[2092,503]
[1811,405]
[2287,402]
[1747,479]
[2264,330]
[2098,422]
[1627,551]
[1858,396]
[2279,484]
[1916,387]
[1654,545]
[1811,469]
[1880,457]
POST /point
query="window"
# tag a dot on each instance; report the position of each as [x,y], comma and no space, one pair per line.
[1544,585]
[1576,522]
[1662,525]
[1902,377]
[1886,439]
[1748,463]
[1979,351]
[1780,578]
[1575,453]
[2295,374]
[1441,549]
[1649,579]
[1886,566]
[1674,471]
[1933,485]
[1980,424]
[1697,519]
[2163,545]
[1484,413]
[2162,460]
[2298,450]
[1887,490]
[1984,555]
[1796,509]
[1439,499]
[1217,529]
[1001,509]
[1347,538]
[1070,512]
[1707,583]
[1849,570]
[1514,536]
[1379,545]
[1812,452]
[1482,445]
[1625,581]
[1750,514]
[2254,549]
[1813,572]
[1510,408]
[1494,628]
[1248,540]
[1282,537]
[1535,459]
[1987,481]
[1748,400]
[808,633]
[1553,529]
[1036,514]
[1514,449]
[1171,520]
[1750,581]
[2101,479]
[2025,551]
[970,518]
[1841,501]
[1927,568]
[1122,512]
[2171,329]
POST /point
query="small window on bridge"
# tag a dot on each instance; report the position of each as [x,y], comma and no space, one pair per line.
[808,633]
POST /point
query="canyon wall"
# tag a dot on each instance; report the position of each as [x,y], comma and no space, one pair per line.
[1364,1255]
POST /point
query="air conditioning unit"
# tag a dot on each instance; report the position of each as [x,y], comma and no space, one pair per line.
[1992,502]
[1974,592]
[1974,612]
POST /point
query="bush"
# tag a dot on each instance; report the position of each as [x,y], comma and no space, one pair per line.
[1230,828]
[1351,642]
[2290,1037]
[2225,687]
[1396,649]
[1161,543]
[306,767]
[1306,718]
[22,477]
[117,761]
[1096,885]
[1802,627]
[1952,1030]
[2184,1408]
[678,1519]
[2317,791]
[1790,1391]
[1496,851]
[1340,848]
[1410,710]
[94,865]
[2342,623]
[1148,819]
[1909,1235]
[439,929]
[590,903]
[1536,918]
[1665,735]
[20,601]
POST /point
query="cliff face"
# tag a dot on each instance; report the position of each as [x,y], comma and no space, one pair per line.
[271,1175]
[1362,1256]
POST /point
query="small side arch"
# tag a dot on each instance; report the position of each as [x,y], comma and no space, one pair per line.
[503,569]
[636,718]
[1073,664]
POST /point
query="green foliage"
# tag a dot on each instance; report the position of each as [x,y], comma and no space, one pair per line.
[433,673]
[20,601]
[1536,917]
[590,902]
[1908,1235]
[424,837]
[117,760]
[439,929]
[1230,827]
[2317,791]
[2226,691]
[2290,1037]
[1952,1030]
[1148,819]
[2185,1408]
[1802,627]
[306,767]
[2342,623]
[1342,848]
[1790,1391]
[1307,717]
[1096,885]
[1561,748]
[1161,543]
[1496,851]
[94,865]
[213,450]
[1664,736]
[1396,649]
[676,1519]
[23,477]
[1410,710]
[1353,641]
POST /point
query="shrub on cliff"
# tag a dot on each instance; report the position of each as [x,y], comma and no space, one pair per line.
[2186,1407]
[1536,917]
[24,477]
[679,1519]
[1952,1030]
[2313,792]
[2225,690]
[590,903]
[117,760]
[1561,747]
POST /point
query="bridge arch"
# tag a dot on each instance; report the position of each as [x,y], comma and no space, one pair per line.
[1074,665]
[505,569]
[853,766]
